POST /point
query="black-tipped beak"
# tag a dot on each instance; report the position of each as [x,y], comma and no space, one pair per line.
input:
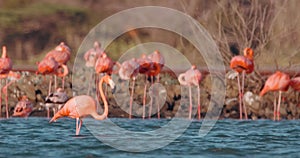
[113,90]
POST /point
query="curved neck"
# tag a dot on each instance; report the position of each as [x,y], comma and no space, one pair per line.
[105,113]
[181,80]
[65,73]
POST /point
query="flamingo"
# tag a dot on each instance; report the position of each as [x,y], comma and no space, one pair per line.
[128,70]
[23,108]
[91,57]
[83,105]
[192,77]
[51,66]
[157,63]
[277,82]
[242,64]
[144,67]
[5,72]
[61,54]
[55,101]
[93,54]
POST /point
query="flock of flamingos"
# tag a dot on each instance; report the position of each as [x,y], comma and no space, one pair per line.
[54,64]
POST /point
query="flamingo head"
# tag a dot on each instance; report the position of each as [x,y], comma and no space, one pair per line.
[248,52]
[110,82]
[97,44]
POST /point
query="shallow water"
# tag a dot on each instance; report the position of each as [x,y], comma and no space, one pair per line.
[35,137]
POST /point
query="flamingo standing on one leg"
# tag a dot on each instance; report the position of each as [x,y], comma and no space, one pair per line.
[128,70]
[192,77]
[157,63]
[91,57]
[242,64]
[81,106]
[61,54]
[277,82]
[144,67]
[23,108]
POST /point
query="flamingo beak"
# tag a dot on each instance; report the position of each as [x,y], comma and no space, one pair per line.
[112,86]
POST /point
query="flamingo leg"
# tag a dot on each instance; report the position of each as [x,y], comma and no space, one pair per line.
[274,115]
[158,107]
[278,107]
[0,97]
[131,98]
[240,98]
[191,105]
[50,85]
[6,100]
[199,107]
[243,85]
[55,82]
[144,99]
[78,125]
[63,82]
[151,101]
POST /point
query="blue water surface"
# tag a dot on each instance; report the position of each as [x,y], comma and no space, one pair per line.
[35,137]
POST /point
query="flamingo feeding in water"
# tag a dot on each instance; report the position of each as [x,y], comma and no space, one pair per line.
[157,63]
[128,70]
[61,54]
[242,64]
[51,67]
[277,82]
[83,105]
[55,101]
[192,77]
[23,108]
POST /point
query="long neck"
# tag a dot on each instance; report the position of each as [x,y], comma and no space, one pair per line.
[105,113]
[3,52]
[181,80]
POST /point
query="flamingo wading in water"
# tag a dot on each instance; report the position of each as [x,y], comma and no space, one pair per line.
[192,77]
[242,64]
[157,63]
[128,70]
[83,105]
[277,82]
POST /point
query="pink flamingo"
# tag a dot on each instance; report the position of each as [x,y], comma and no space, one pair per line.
[83,105]
[23,108]
[192,77]
[157,63]
[128,70]
[277,82]
[52,67]
[242,64]
[61,54]
[5,72]
[91,57]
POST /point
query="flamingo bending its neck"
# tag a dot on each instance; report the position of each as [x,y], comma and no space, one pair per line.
[192,77]
[277,82]
[84,105]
